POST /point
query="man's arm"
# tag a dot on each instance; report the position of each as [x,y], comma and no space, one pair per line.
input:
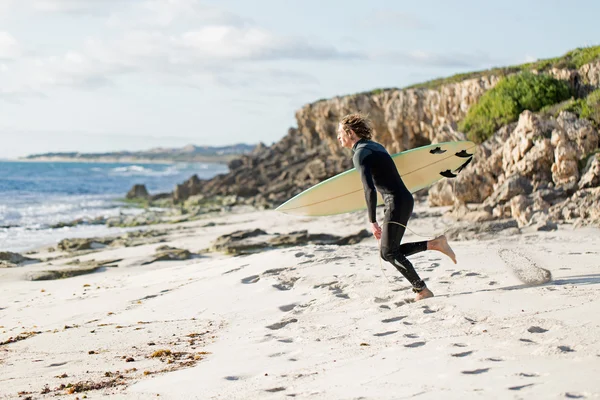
[362,165]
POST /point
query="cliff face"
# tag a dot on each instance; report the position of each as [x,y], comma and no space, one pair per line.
[405,119]
[402,119]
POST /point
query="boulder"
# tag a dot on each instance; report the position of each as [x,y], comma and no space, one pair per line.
[137,192]
[591,173]
[188,188]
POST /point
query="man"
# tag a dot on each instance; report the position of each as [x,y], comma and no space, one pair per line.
[378,173]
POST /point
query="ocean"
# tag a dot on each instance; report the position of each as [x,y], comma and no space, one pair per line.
[36,195]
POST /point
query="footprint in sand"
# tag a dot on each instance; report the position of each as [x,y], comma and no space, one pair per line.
[427,310]
[526,340]
[384,333]
[382,299]
[277,354]
[536,329]
[565,349]
[275,390]
[395,319]
[235,269]
[404,302]
[528,375]
[285,284]
[520,387]
[385,307]
[464,354]
[281,324]
[276,271]
[232,378]
[494,359]
[415,344]
[251,279]
[411,335]
[569,395]
[476,371]
[288,307]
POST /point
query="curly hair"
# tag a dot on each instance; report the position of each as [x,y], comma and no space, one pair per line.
[359,124]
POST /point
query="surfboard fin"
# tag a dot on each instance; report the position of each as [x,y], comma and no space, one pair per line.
[463,154]
[448,174]
[464,165]
[437,150]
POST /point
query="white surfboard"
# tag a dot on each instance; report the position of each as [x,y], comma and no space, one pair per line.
[419,168]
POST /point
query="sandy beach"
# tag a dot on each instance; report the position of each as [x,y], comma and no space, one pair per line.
[307,321]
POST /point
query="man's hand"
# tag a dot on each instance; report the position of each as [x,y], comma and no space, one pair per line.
[376,229]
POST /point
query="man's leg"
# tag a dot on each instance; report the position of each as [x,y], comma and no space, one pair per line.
[392,251]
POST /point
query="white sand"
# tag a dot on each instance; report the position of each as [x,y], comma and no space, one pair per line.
[339,331]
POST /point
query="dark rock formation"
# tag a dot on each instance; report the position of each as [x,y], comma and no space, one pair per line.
[138,192]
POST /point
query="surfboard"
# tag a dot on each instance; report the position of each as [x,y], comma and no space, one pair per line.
[419,168]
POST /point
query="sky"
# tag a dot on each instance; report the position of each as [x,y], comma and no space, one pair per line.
[108,75]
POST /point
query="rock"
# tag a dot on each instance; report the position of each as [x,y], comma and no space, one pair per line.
[225,242]
[167,253]
[591,173]
[589,76]
[582,208]
[513,186]
[572,140]
[235,164]
[354,238]
[82,244]
[11,259]
[136,238]
[62,273]
[161,196]
[245,242]
[138,192]
[142,219]
[189,188]
[483,230]
[520,209]
[541,222]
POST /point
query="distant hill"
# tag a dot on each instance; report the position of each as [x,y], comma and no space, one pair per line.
[189,153]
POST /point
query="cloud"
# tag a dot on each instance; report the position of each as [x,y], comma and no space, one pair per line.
[394,19]
[165,13]
[235,43]
[90,7]
[434,60]
[218,48]
[9,47]
[225,56]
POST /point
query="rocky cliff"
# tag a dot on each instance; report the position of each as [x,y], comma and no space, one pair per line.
[534,154]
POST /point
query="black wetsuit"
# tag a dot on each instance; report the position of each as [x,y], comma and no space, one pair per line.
[378,173]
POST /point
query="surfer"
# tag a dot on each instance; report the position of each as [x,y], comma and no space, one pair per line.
[379,173]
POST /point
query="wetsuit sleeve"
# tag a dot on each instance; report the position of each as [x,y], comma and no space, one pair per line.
[362,165]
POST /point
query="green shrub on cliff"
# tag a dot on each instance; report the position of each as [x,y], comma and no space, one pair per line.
[588,107]
[511,96]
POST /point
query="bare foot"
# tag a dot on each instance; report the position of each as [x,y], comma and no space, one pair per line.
[441,244]
[424,294]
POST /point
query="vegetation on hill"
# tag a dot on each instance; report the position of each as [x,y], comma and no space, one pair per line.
[587,107]
[574,59]
[503,103]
